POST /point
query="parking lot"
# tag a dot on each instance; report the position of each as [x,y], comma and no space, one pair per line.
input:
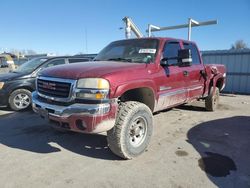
[189,148]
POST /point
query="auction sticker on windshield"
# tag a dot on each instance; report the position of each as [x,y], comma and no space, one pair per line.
[147,51]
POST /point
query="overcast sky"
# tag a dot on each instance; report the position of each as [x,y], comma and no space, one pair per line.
[73,26]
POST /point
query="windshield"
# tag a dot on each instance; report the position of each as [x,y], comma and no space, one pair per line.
[134,50]
[30,65]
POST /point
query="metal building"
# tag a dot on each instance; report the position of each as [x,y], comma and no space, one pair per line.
[237,63]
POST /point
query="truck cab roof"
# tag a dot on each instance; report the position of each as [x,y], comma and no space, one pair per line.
[163,39]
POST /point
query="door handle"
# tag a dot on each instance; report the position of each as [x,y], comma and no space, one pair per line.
[185,73]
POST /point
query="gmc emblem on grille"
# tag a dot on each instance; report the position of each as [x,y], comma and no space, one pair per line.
[51,86]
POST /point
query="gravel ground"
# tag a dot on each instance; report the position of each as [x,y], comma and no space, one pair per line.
[190,148]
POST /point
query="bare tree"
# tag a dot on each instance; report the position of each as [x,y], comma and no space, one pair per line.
[239,44]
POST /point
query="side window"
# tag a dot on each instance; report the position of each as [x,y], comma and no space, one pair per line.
[77,60]
[171,52]
[55,62]
[194,53]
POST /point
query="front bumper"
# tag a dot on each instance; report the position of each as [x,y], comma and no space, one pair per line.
[87,118]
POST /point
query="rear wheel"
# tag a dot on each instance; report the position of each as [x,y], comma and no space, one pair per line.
[20,99]
[212,100]
[133,129]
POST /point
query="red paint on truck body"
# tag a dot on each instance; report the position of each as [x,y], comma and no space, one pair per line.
[169,84]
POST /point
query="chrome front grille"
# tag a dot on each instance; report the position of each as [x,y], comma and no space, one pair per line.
[55,88]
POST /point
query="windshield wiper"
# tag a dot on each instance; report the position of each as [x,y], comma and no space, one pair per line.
[119,59]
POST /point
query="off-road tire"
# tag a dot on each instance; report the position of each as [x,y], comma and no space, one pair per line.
[14,94]
[212,101]
[119,138]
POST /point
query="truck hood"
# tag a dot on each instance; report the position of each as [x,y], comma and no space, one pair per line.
[90,69]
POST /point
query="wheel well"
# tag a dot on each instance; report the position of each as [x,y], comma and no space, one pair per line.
[22,87]
[219,83]
[143,95]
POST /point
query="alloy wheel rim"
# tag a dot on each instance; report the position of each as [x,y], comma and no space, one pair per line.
[21,100]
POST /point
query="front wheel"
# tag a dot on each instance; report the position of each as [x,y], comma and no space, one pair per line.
[133,129]
[20,99]
[212,100]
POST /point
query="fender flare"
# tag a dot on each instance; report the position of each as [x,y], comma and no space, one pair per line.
[121,89]
[215,79]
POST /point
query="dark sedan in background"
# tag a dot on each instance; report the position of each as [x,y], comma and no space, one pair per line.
[16,86]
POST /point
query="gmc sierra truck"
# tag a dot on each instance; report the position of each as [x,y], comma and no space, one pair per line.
[128,82]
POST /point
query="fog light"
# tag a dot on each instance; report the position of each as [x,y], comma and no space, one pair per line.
[80,125]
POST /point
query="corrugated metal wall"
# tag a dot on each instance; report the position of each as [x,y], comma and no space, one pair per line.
[237,63]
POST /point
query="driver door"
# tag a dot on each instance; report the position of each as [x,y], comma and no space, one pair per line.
[171,81]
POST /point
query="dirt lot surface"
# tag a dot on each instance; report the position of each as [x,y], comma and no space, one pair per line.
[190,148]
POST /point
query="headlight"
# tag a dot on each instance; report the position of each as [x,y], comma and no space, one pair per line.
[93,83]
[1,85]
[92,88]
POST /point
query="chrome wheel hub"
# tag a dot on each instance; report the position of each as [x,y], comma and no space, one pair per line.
[137,131]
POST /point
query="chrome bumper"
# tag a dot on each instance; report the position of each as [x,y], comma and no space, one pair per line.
[66,111]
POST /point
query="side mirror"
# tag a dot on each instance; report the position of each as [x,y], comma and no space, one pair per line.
[164,62]
[185,57]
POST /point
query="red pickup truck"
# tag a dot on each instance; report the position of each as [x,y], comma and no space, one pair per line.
[128,81]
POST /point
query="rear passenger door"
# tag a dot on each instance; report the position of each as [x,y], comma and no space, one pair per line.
[194,81]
